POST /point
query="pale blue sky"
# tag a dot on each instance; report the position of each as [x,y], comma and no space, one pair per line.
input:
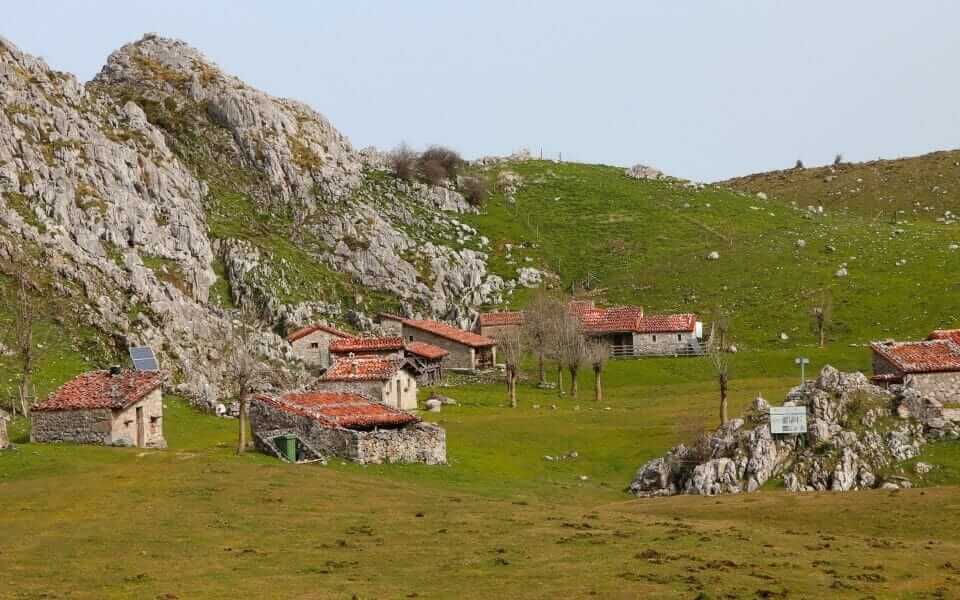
[700,89]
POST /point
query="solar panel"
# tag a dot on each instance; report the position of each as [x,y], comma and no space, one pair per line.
[144,359]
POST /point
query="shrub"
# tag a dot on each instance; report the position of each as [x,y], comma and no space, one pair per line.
[475,190]
[838,159]
[403,162]
[439,162]
[799,164]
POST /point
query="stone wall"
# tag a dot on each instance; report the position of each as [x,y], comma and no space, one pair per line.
[380,391]
[124,426]
[318,356]
[421,442]
[882,366]
[942,387]
[663,343]
[4,436]
[461,356]
[79,426]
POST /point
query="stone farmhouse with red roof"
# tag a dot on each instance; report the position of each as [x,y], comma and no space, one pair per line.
[426,359]
[931,367]
[630,332]
[392,381]
[119,408]
[312,343]
[465,349]
[346,425]
[493,324]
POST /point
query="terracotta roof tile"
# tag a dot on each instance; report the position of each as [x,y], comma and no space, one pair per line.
[336,409]
[362,369]
[921,357]
[667,323]
[608,320]
[305,331]
[426,350]
[945,334]
[449,332]
[100,389]
[495,319]
[360,345]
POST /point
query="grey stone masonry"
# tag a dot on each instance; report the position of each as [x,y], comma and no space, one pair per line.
[4,437]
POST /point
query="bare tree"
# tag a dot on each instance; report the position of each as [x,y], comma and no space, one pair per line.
[822,314]
[508,347]
[598,352]
[24,320]
[573,349]
[720,328]
[538,325]
[720,361]
[244,371]
[403,161]
[838,159]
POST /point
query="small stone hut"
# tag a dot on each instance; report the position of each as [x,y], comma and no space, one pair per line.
[930,367]
[465,349]
[493,324]
[346,425]
[4,436]
[630,332]
[388,380]
[312,344]
[426,359]
[116,407]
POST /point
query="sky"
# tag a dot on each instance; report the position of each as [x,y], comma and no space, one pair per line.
[701,89]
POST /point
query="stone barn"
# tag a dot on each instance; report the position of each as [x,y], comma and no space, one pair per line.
[427,360]
[346,425]
[366,347]
[118,408]
[931,367]
[312,344]
[390,381]
[4,436]
[629,332]
[495,323]
[465,349]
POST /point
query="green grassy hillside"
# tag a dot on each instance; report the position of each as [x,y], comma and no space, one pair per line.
[646,242]
[921,187]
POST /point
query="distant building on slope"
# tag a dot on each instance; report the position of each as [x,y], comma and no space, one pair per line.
[630,332]
[426,359]
[392,381]
[351,426]
[493,324]
[465,349]
[932,367]
[119,408]
[312,343]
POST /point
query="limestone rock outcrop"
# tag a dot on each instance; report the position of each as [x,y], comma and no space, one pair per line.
[854,440]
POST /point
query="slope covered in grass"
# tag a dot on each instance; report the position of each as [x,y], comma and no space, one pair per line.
[646,242]
[920,187]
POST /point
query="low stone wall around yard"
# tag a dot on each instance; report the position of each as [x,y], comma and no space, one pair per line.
[4,437]
[78,426]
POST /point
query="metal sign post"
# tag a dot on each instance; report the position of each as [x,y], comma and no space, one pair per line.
[803,362]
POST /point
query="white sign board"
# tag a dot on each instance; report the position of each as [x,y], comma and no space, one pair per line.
[788,419]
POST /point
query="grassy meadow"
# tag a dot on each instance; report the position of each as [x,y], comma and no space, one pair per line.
[197,521]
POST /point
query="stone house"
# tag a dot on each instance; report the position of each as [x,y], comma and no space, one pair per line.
[119,408]
[426,359]
[465,349]
[390,381]
[496,323]
[312,344]
[4,436]
[346,425]
[629,332]
[931,367]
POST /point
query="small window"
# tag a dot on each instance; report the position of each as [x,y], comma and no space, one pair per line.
[679,337]
[315,345]
[411,338]
[654,337]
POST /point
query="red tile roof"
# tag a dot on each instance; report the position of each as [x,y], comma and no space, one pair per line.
[921,357]
[361,345]
[337,409]
[580,306]
[454,334]
[495,319]
[667,323]
[305,331]
[426,350]
[100,389]
[945,334]
[609,320]
[362,369]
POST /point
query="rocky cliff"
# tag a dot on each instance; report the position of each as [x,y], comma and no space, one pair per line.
[166,193]
[856,436]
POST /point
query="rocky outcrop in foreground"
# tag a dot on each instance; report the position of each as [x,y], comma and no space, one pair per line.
[854,440]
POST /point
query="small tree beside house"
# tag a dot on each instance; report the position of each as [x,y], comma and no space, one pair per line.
[597,353]
[245,373]
[538,323]
[511,351]
[822,314]
[25,349]
[720,361]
